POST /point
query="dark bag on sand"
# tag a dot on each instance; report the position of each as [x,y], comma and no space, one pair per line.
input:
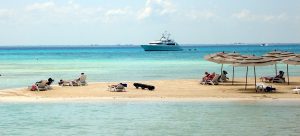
[124,84]
[144,86]
[269,89]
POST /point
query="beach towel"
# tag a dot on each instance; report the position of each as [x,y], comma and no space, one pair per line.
[34,88]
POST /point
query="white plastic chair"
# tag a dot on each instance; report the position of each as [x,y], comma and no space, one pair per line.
[116,88]
[297,90]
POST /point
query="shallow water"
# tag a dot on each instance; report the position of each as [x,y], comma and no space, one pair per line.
[22,66]
[232,118]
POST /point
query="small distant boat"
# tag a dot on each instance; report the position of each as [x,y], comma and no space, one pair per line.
[264,44]
[164,44]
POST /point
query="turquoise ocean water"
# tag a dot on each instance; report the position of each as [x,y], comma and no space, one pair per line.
[150,118]
[22,66]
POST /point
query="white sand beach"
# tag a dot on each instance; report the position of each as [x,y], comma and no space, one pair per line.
[165,90]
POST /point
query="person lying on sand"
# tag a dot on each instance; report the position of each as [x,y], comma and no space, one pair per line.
[65,83]
[48,82]
[42,85]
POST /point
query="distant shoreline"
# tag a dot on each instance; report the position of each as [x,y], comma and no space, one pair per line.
[137,45]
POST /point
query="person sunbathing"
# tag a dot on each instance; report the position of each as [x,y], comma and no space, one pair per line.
[205,77]
[270,79]
[65,83]
[44,84]
[209,79]
[223,77]
[211,76]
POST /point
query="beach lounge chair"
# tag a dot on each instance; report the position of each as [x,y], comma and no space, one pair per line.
[213,81]
[42,85]
[65,83]
[264,88]
[116,88]
[276,79]
[296,90]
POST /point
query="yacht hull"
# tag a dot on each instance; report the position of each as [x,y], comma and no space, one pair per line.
[161,47]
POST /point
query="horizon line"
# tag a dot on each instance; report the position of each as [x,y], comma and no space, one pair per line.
[126,45]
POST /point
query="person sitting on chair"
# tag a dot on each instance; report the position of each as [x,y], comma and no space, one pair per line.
[223,77]
[280,75]
[211,76]
[50,81]
[45,83]
[80,81]
[205,77]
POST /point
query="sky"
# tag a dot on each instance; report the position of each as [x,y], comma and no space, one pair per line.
[111,22]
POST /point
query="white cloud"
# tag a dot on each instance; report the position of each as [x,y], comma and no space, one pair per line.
[145,13]
[69,12]
[281,16]
[117,12]
[157,7]
[166,7]
[6,13]
[52,7]
[111,15]
[41,6]
[244,14]
[249,16]
[200,15]
[72,12]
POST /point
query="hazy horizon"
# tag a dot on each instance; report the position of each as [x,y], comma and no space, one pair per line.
[138,45]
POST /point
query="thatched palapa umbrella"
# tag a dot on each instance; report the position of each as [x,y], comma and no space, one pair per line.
[273,57]
[295,60]
[279,56]
[232,59]
[217,58]
[224,58]
[253,61]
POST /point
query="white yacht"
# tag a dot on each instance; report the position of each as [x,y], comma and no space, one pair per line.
[164,44]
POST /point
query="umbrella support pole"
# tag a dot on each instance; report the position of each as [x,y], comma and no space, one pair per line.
[287,72]
[255,79]
[221,69]
[276,70]
[232,75]
[246,78]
